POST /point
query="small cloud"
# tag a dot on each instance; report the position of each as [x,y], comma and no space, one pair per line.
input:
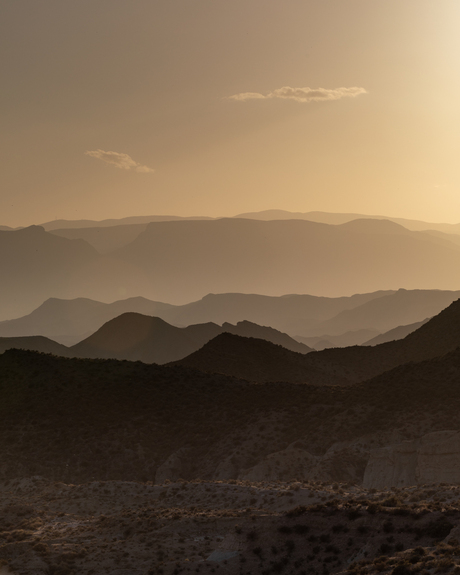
[303,94]
[247,96]
[122,161]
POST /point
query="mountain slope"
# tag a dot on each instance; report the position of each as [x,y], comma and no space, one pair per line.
[256,360]
[437,337]
[400,308]
[85,420]
[440,335]
[399,332]
[137,337]
[33,343]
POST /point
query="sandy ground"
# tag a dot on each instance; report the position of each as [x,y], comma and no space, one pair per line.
[127,528]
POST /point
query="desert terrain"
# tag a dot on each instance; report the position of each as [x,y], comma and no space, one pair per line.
[238,433]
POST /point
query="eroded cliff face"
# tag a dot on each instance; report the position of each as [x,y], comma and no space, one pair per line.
[434,458]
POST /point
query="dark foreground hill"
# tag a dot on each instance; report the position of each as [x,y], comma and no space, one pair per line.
[255,359]
[33,343]
[440,335]
[76,420]
[437,337]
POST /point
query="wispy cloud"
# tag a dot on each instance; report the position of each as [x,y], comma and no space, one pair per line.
[303,94]
[122,161]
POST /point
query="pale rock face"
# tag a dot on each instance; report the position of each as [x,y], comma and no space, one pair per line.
[434,458]
[174,468]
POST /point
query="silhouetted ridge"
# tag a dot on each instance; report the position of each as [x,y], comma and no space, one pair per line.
[138,337]
[438,336]
[255,360]
[396,333]
[33,343]
[435,338]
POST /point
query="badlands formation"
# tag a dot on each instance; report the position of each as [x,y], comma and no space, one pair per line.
[434,458]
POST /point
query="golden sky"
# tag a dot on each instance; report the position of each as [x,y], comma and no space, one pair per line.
[113,108]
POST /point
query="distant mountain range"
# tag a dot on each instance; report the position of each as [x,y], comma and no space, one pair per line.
[109,235]
[184,259]
[314,216]
[342,218]
[181,260]
[352,321]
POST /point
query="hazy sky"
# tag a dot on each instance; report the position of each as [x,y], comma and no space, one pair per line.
[113,108]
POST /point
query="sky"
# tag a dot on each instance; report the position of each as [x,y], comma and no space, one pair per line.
[114,108]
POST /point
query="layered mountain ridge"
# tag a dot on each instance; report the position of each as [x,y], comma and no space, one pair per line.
[182,260]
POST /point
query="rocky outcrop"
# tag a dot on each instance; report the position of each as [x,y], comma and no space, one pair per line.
[434,458]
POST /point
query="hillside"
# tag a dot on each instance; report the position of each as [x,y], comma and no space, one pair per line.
[70,321]
[104,419]
[399,332]
[255,360]
[435,338]
[33,343]
[137,337]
